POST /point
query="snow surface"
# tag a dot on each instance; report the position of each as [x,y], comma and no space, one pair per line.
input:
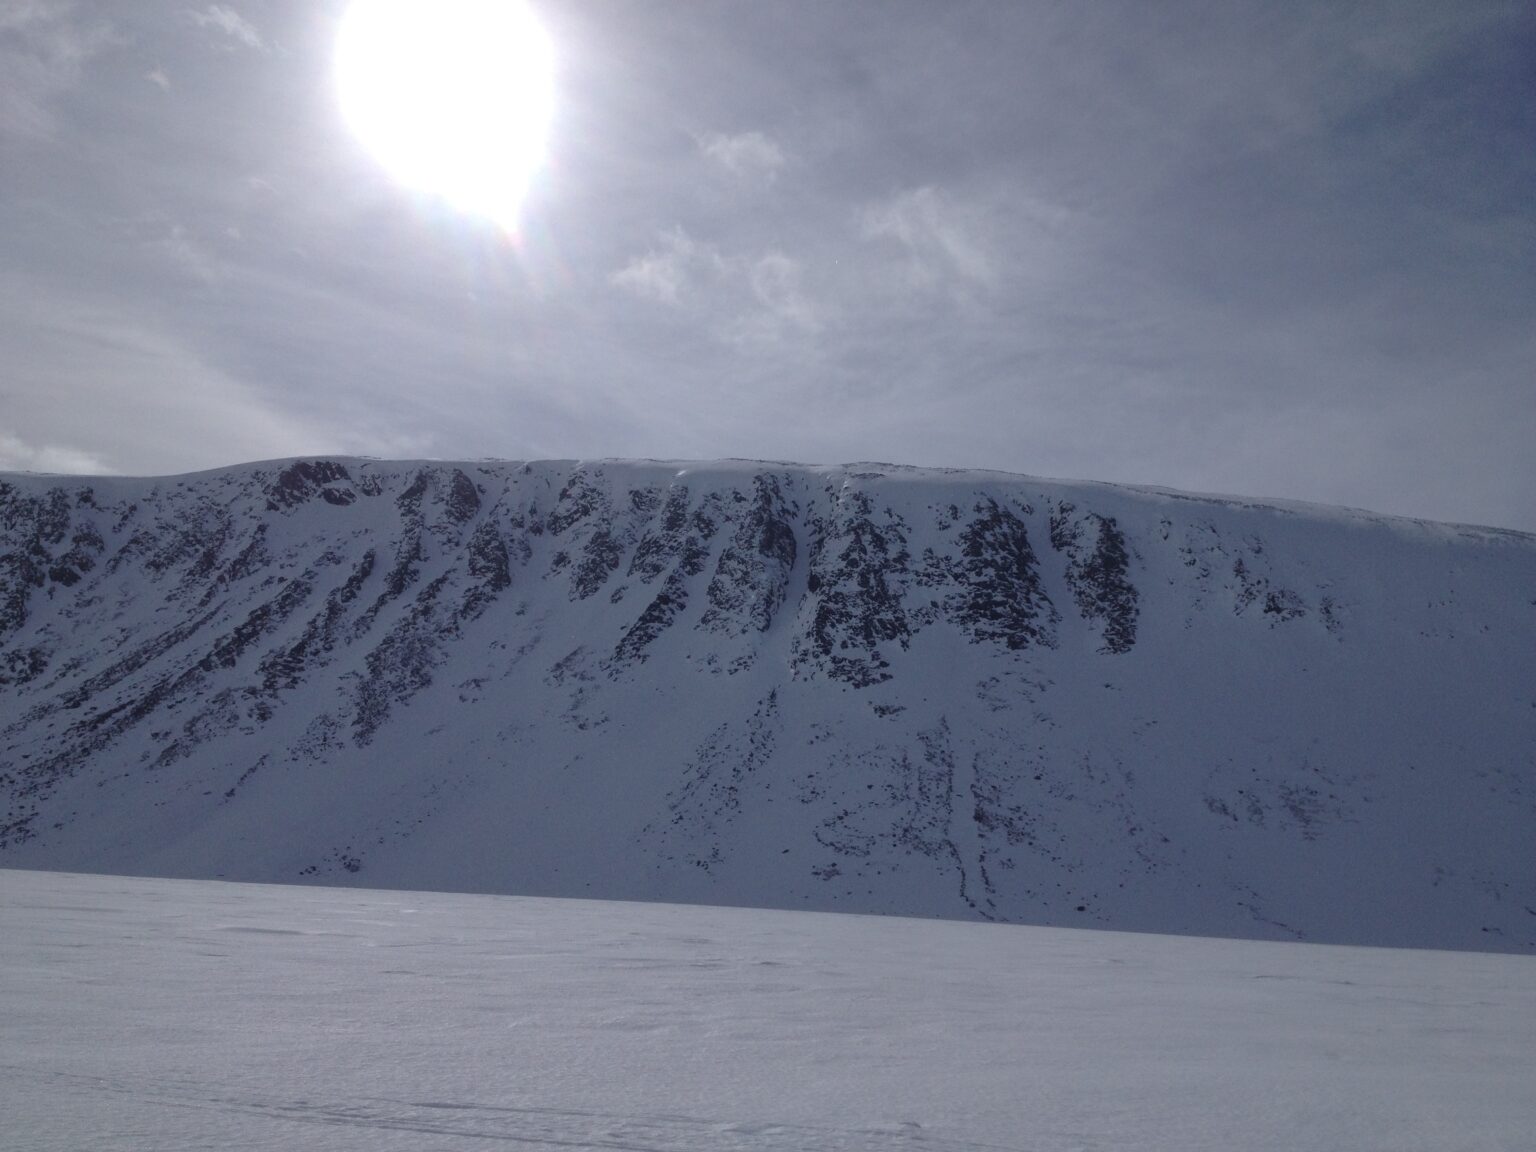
[165,1015]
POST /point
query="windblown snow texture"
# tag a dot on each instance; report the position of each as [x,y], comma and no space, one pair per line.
[146,1015]
[864,688]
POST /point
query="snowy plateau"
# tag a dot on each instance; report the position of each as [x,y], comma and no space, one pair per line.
[171,1015]
[864,689]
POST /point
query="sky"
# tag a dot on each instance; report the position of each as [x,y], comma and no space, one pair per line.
[1239,247]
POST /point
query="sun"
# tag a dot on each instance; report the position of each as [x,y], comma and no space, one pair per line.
[454,97]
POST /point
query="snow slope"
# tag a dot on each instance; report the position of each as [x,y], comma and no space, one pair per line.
[173,1015]
[861,688]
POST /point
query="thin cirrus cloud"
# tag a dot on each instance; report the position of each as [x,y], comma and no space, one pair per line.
[231,23]
[745,154]
[738,298]
[44,47]
[200,411]
[671,270]
[940,244]
[777,283]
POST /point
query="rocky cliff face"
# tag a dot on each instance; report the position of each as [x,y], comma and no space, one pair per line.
[864,688]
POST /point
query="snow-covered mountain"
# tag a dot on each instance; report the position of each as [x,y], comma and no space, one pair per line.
[864,688]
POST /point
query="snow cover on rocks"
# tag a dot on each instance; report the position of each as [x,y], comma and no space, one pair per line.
[860,688]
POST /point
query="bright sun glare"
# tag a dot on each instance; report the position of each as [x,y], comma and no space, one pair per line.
[453,96]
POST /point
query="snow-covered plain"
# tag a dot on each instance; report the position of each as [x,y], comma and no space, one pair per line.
[162,1014]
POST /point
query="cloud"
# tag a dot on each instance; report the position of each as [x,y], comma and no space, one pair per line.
[745,154]
[18,456]
[140,398]
[184,252]
[43,50]
[231,23]
[775,280]
[1035,256]
[742,297]
[663,274]
[935,234]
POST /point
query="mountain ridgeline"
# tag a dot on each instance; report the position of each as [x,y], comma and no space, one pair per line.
[863,688]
